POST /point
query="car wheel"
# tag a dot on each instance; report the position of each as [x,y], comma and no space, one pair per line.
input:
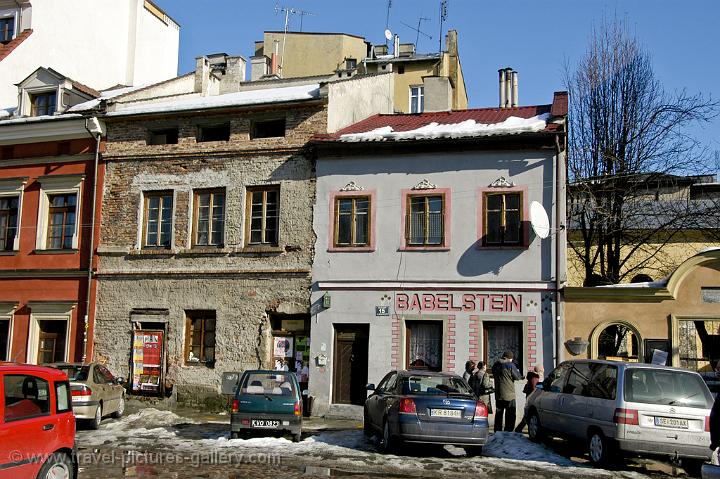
[693,467]
[598,449]
[535,432]
[58,466]
[387,442]
[367,427]
[120,408]
[95,422]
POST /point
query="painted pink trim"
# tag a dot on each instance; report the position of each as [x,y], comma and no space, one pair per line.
[474,337]
[331,224]
[450,344]
[531,340]
[446,218]
[395,344]
[524,225]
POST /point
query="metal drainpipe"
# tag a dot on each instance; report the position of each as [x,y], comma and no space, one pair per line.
[97,134]
[559,249]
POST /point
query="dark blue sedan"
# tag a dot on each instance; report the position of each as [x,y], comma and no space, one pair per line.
[428,407]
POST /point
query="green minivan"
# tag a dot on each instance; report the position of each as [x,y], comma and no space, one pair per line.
[267,401]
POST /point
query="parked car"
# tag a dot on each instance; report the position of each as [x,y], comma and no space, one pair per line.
[267,401]
[428,407]
[627,407]
[96,393]
[37,426]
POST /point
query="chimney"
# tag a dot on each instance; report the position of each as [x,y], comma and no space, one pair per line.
[234,74]
[508,87]
[202,74]
[259,67]
[396,46]
[274,64]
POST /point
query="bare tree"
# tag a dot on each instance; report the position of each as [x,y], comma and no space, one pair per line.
[627,142]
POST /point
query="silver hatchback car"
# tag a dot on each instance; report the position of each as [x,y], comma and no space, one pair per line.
[625,407]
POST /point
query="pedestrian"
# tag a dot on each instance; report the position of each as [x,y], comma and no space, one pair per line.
[505,374]
[469,368]
[481,385]
[532,377]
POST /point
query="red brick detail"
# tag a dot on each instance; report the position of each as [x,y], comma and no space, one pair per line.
[7,49]
[395,343]
[474,341]
[450,346]
[531,327]
[531,335]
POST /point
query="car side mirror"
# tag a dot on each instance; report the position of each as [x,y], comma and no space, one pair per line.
[370,387]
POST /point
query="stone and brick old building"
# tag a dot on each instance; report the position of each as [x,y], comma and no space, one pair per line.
[421,81]
[424,253]
[207,240]
[102,43]
[48,179]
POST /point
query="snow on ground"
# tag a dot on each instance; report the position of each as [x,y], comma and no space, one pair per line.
[155,430]
[467,128]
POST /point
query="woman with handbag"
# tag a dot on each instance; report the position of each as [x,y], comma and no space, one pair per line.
[481,385]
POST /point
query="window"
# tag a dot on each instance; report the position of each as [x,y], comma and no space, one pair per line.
[4,339]
[425,220]
[617,342]
[200,338]
[7,29]
[61,221]
[350,63]
[603,384]
[25,397]
[698,344]
[401,69]
[214,132]
[556,379]
[424,345]
[166,136]
[209,218]
[352,221]
[264,215]
[8,222]
[43,104]
[268,128]
[158,220]
[417,99]
[667,388]
[578,380]
[62,397]
[503,219]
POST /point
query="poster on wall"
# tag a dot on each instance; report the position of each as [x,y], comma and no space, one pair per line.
[283,346]
[147,360]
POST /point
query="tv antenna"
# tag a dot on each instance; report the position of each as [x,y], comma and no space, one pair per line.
[417,30]
[288,11]
[443,17]
[387,19]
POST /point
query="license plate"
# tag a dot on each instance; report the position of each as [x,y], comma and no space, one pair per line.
[671,422]
[445,413]
[264,423]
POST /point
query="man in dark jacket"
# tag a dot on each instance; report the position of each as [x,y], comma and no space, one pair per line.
[505,373]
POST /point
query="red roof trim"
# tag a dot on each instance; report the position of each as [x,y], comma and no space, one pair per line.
[7,49]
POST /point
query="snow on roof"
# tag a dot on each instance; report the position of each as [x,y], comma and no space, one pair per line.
[36,119]
[643,284]
[104,95]
[467,128]
[252,97]
[5,113]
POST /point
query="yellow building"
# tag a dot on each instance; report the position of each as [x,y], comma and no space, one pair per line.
[421,82]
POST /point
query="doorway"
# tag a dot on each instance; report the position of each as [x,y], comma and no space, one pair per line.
[51,341]
[502,336]
[351,364]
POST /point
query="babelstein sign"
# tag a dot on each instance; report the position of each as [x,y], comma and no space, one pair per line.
[469,302]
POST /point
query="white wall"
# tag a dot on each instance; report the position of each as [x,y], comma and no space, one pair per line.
[351,101]
[92,42]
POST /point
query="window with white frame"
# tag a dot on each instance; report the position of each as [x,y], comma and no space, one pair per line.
[11,190]
[417,99]
[7,311]
[58,212]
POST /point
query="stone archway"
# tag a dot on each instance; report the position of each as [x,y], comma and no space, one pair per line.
[618,340]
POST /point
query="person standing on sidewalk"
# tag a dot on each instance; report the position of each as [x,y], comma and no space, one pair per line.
[533,378]
[469,368]
[505,374]
[481,385]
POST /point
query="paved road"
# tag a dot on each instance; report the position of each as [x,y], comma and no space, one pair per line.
[152,443]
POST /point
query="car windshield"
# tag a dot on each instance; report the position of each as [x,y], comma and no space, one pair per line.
[268,384]
[434,385]
[75,372]
[666,387]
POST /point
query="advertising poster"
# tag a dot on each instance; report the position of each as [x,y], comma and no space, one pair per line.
[147,360]
[283,346]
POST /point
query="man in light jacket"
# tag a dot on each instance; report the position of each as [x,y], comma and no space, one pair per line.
[505,373]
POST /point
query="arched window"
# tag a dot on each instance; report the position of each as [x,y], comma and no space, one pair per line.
[617,341]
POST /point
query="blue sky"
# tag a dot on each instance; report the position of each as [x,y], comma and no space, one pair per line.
[535,38]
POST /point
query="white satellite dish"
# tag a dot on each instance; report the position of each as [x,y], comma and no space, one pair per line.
[539,220]
[388,34]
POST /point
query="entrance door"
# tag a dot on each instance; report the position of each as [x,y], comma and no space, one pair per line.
[351,364]
[499,337]
[51,341]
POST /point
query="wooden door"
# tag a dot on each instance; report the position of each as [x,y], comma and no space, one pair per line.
[350,366]
[47,347]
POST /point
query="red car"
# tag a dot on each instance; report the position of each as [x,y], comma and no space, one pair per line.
[37,425]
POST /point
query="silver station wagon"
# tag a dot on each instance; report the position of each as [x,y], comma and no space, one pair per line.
[621,407]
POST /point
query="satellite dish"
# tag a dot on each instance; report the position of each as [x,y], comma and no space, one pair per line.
[388,34]
[539,220]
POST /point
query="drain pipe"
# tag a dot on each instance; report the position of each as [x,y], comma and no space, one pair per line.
[92,125]
[560,247]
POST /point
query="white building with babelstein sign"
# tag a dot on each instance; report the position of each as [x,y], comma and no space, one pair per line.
[425,254]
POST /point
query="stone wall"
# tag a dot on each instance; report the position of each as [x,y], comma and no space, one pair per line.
[242,284]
